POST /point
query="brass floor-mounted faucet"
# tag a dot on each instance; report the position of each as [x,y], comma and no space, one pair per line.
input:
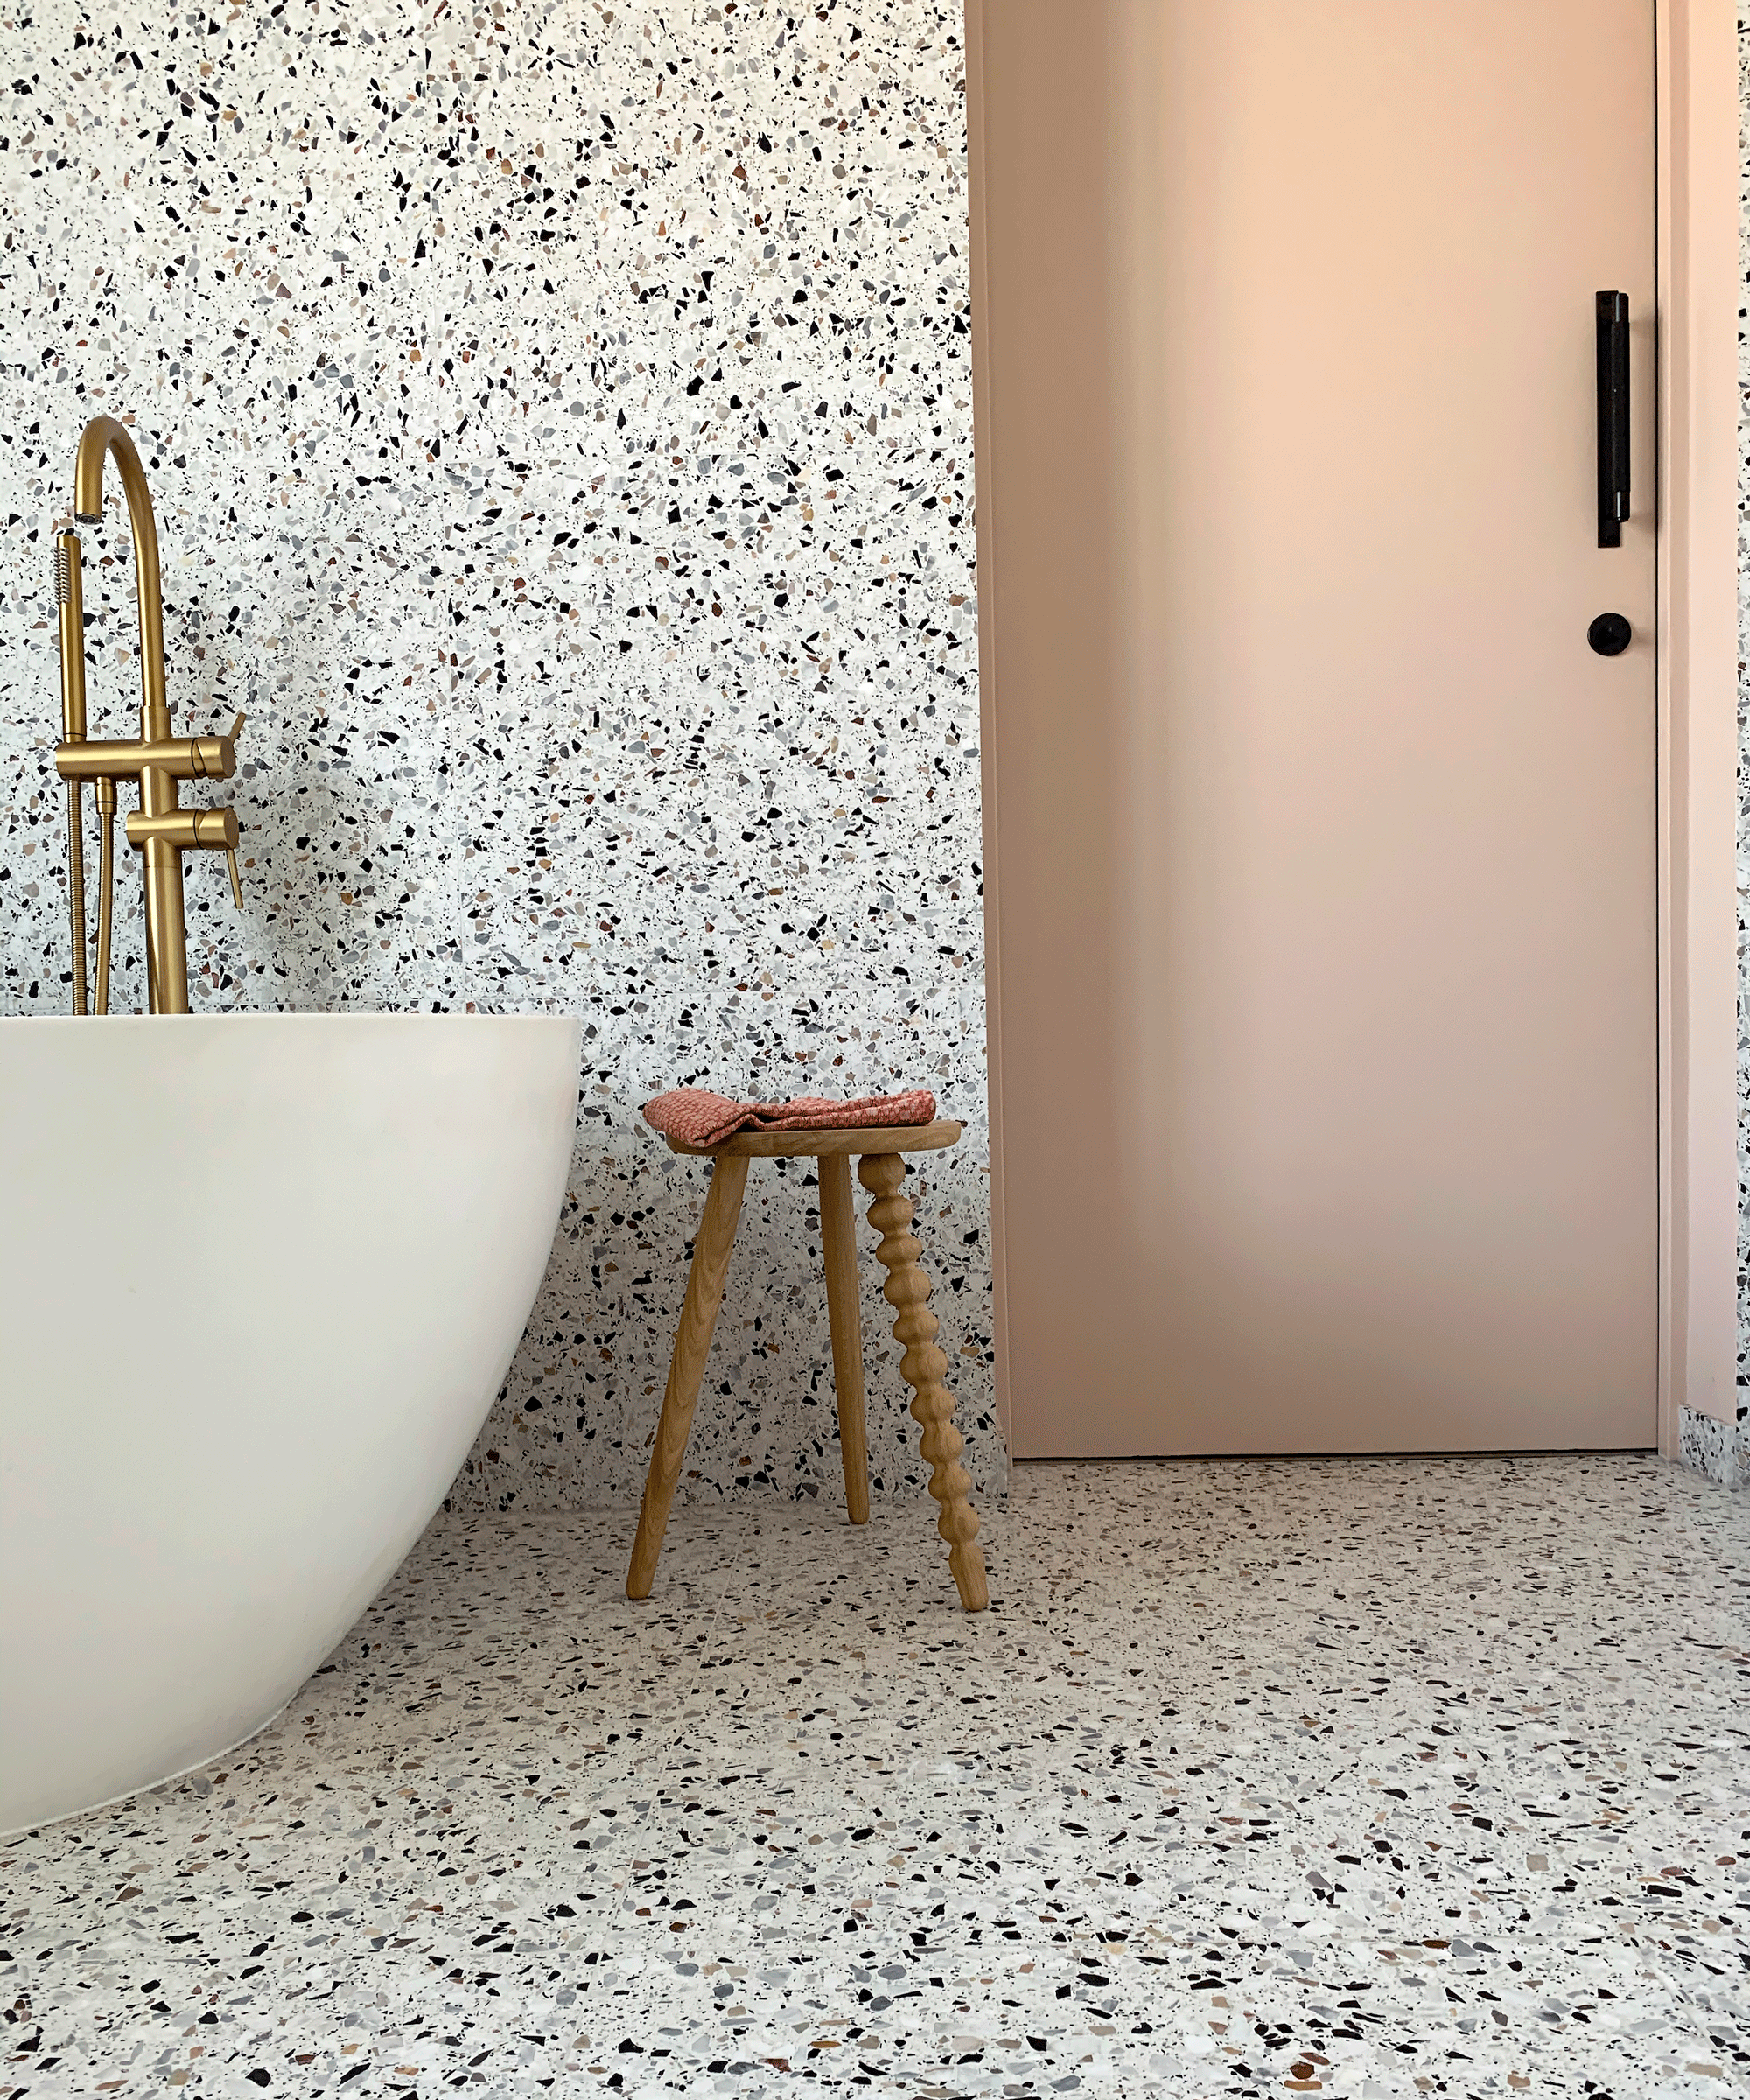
[160,828]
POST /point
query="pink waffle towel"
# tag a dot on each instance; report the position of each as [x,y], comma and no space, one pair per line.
[697,1117]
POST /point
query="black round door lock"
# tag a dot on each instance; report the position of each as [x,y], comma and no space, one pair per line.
[1610,633]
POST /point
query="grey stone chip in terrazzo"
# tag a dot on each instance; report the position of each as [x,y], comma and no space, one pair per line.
[1363,1778]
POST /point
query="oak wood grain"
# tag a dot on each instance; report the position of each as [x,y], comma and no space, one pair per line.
[687,1367]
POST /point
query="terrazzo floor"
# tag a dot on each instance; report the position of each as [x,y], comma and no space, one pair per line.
[1354,1777]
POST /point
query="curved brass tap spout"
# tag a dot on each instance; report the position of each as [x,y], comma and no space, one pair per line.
[155,761]
[101,436]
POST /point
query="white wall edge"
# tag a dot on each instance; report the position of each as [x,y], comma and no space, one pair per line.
[1697,725]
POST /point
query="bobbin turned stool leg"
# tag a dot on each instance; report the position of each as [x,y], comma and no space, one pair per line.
[907,1291]
[687,1365]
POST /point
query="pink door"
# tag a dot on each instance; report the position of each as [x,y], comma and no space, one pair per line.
[1323,862]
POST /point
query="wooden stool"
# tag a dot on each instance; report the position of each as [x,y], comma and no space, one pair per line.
[880,1170]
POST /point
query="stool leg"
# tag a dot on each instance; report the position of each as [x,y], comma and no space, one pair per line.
[838,1242]
[687,1365]
[907,1289]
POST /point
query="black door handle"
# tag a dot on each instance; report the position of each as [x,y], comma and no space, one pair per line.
[1610,633]
[1612,417]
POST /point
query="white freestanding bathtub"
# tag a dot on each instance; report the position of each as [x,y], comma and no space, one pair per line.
[261,1275]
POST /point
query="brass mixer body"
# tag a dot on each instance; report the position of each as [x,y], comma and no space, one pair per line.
[161,830]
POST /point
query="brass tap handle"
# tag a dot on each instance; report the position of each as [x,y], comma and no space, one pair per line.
[232,736]
[187,830]
[177,758]
[230,743]
[227,748]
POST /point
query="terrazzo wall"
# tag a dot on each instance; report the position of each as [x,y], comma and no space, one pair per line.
[560,422]
[559,417]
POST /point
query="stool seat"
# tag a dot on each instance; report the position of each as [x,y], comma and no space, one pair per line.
[868,1143]
[881,1168]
